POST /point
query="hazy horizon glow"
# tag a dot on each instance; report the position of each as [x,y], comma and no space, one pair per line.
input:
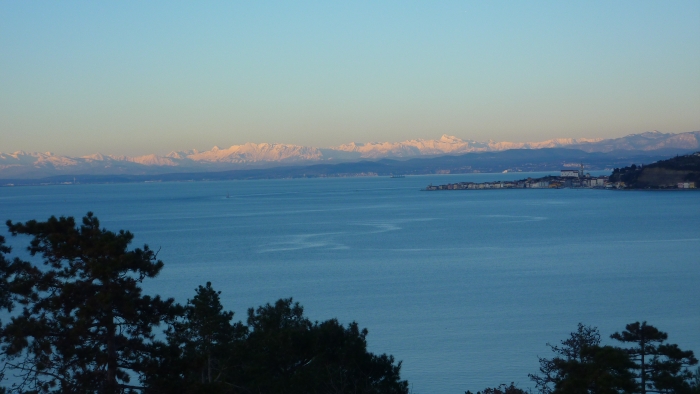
[136,78]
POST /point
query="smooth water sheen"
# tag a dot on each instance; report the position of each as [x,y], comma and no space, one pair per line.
[466,287]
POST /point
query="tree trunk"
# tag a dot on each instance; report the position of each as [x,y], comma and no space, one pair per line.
[209,366]
[111,354]
[643,371]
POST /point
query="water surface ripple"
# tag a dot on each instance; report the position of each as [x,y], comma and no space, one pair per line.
[466,287]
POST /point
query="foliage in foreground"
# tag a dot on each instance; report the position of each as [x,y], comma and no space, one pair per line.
[79,323]
[502,389]
[279,351]
[582,366]
[83,323]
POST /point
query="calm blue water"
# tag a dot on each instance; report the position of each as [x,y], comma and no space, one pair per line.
[465,287]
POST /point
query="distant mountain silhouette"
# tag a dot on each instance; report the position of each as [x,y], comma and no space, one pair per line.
[515,160]
[20,165]
[649,141]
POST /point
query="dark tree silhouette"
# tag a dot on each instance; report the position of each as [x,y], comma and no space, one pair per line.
[695,382]
[581,365]
[502,389]
[5,295]
[84,322]
[287,353]
[202,353]
[279,351]
[206,334]
[662,368]
[569,349]
[599,370]
[79,323]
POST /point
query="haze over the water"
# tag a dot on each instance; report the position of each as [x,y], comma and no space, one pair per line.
[136,78]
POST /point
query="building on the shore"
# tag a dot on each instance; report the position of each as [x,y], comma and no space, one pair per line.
[572,173]
[547,182]
[569,173]
[540,184]
[595,182]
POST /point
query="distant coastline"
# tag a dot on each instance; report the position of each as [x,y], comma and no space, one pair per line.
[34,165]
[568,178]
[680,173]
[510,161]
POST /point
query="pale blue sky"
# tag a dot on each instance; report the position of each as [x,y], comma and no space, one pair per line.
[150,77]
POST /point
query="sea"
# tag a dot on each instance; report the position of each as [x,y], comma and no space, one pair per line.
[464,287]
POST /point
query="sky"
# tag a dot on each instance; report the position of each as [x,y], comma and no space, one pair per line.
[132,77]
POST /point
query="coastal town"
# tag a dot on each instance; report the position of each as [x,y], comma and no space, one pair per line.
[568,178]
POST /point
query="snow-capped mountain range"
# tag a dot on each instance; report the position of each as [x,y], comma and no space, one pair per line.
[448,145]
[250,155]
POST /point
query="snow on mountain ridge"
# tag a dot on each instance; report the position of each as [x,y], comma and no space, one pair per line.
[650,140]
[148,160]
[448,144]
[252,154]
[37,159]
[553,143]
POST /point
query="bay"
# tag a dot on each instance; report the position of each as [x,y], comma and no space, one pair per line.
[465,287]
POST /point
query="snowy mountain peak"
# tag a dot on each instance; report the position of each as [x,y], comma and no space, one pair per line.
[450,139]
[21,163]
[95,157]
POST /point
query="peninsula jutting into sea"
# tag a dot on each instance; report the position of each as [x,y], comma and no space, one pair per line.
[567,179]
[678,173]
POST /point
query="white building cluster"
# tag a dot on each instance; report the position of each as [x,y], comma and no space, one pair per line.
[550,182]
[567,179]
[686,185]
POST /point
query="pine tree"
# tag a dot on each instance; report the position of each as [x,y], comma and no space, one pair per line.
[662,368]
[5,295]
[581,365]
[287,353]
[201,352]
[501,389]
[599,370]
[570,349]
[206,333]
[84,322]
[695,382]
[279,351]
